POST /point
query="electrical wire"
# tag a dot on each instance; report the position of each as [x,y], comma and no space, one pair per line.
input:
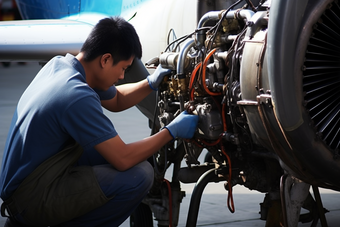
[153,128]
[230,200]
[204,66]
[192,79]
[218,25]
[251,5]
[185,37]
[168,38]
[170,201]
[223,117]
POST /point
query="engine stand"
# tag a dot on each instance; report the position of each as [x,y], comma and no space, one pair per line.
[321,209]
[293,194]
[195,201]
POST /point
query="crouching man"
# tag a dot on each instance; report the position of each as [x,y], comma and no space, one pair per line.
[64,163]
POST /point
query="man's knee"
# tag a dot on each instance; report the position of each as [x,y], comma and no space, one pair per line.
[146,172]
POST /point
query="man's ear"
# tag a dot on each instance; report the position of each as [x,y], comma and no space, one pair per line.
[105,59]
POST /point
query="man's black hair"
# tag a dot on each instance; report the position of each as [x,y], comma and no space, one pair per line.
[112,35]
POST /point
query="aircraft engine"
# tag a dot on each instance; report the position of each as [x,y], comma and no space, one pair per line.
[264,82]
[215,74]
[262,89]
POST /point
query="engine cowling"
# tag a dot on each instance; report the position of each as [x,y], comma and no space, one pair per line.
[303,71]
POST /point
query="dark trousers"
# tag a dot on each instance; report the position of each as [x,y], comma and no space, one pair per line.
[128,188]
[119,193]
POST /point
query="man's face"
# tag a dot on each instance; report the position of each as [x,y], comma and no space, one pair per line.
[118,70]
[113,73]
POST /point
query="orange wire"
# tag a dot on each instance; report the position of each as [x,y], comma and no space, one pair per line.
[170,201]
[213,143]
[193,141]
[231,206]
[203,74]
[223,118]
[192,79]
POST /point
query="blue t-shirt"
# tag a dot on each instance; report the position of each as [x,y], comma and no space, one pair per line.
[57,106]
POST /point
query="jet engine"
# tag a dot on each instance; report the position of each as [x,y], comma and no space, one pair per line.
[263,77]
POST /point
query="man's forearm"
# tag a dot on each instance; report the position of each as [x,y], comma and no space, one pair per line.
[123,156]
[128,95]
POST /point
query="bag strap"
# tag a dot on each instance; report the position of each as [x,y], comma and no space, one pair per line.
[8,206]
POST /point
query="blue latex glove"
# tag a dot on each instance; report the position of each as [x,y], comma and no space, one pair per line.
[156,78]
[183,126]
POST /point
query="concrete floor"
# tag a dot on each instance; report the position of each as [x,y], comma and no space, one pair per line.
[213,209]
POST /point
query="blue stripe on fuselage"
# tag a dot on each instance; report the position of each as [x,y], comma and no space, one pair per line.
[52,9]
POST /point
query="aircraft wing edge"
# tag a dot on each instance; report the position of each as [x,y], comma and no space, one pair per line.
[40,40]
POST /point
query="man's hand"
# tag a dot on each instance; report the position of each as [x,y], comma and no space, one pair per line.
[183,126]
[156,78]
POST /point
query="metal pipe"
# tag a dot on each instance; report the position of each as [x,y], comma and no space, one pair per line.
[209,16]
[196,196]
[191,175]
[257,21]
[216,15]
[182,56]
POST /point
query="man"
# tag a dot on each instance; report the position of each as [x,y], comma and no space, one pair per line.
[64,163]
